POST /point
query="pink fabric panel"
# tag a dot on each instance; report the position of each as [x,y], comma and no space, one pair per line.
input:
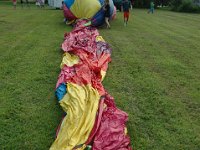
[67,13]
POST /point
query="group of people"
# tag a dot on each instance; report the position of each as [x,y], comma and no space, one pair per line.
[39,3]
[22,3]
[126,6]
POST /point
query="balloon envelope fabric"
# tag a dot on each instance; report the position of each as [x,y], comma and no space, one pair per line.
[89,9]
[92,117]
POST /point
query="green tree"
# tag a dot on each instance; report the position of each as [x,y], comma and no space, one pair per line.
[146,3]
[175,4]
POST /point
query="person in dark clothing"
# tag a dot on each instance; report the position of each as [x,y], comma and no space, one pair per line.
[126,5]
[22,3]
[107,13]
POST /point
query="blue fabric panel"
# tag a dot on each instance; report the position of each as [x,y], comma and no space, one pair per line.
[61,91]
[69,3]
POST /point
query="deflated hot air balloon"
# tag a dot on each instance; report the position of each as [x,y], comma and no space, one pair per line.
[87,9]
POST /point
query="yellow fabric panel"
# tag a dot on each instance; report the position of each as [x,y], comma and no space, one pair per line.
[103,74]
[70,22]
[99,38]
[81,105]
[85,8]
[125,131]
[69,60]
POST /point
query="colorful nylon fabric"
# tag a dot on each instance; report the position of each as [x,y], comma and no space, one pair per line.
[111,134]
[89,9]
[92,116]
[81,105]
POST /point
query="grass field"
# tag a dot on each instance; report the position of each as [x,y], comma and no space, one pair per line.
[154,76]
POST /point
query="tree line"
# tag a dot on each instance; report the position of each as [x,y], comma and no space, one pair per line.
[146,3]
[176,5]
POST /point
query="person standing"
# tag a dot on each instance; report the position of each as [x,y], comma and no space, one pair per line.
[151,7]
[27,3]
[22,3]
[42,3]
[126,6]
[107,13]
[14,3]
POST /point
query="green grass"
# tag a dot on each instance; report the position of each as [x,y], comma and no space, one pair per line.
[154,76]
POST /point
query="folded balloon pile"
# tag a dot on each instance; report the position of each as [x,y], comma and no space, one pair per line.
[92,120]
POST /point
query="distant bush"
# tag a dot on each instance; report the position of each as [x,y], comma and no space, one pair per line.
[188,6]
[185,6]
[175,4]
